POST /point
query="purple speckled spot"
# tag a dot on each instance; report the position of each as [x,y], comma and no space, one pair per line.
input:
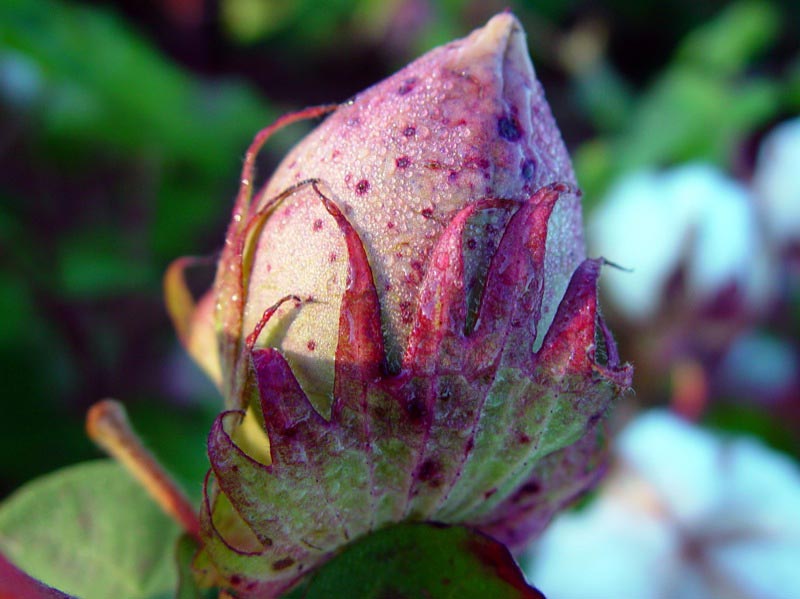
[410,131]
[508,128]
[402,162]
[407,86]
[530,488]
[406,312]
[528,169]
[282,564]
[428,470]
[362,187]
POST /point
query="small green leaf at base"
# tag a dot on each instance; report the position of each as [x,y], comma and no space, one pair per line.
[410,561]
[90,531]
[185,551]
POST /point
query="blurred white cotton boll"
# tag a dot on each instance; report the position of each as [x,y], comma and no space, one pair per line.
[686,514]
[726,238]
[692,215]
[678,460]
[636,227]
[643,549]
[776,182]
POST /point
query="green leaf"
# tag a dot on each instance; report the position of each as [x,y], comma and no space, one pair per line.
[93,262]
[420,560]
[185,550]
[728,43]
[91,531]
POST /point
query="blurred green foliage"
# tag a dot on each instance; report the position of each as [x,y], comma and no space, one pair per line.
[115,161]
[93,86]
[702,106]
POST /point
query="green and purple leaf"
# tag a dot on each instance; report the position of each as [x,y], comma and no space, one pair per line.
[91,531]
[420,560]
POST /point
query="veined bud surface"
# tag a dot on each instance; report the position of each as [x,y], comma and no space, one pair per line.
[404,323]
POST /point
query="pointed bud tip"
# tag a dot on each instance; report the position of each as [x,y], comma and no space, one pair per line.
[498,33]
[501,41]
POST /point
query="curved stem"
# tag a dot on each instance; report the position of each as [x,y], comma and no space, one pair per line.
[107,425]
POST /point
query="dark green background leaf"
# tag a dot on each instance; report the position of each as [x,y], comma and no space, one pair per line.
[91,531]
[421,560]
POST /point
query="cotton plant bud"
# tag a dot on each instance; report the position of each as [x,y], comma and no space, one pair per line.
[404,324]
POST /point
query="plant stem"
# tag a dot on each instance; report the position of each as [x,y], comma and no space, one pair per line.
[107,425]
